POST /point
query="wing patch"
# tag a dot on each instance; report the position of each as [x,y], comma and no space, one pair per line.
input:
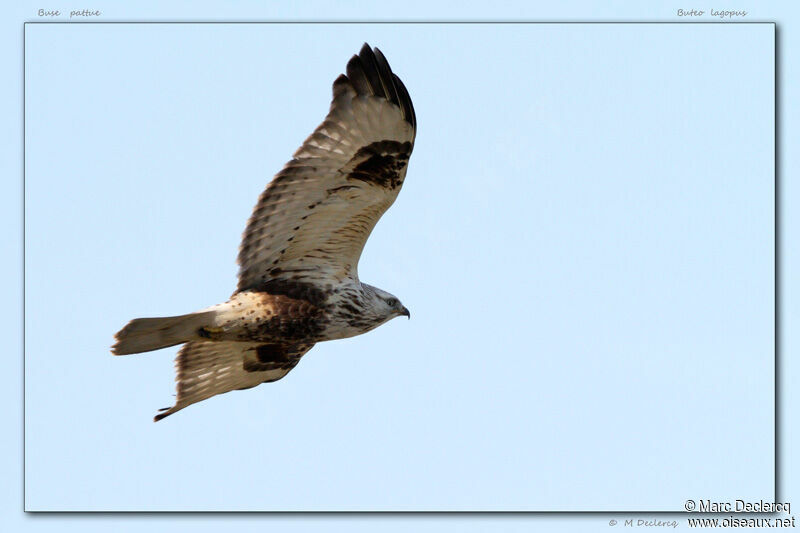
[381,163]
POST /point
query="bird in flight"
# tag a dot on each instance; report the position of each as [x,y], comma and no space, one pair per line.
[298,260]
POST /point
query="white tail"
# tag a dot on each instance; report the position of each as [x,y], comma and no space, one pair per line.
[147,334]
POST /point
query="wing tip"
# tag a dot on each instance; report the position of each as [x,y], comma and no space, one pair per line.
[369,73]
[165,412]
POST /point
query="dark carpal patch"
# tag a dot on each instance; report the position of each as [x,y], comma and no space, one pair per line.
[297,290]
[272,353]
[381,163]
[270,357]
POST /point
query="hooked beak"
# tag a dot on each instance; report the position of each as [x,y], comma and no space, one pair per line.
[406,312]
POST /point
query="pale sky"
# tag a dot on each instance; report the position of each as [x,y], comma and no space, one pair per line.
[585,240]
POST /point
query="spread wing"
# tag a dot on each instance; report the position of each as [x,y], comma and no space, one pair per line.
[311,222]
[206,369]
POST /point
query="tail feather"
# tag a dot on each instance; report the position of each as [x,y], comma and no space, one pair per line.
[148,334]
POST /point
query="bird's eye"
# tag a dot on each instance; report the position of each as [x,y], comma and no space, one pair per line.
[392,302]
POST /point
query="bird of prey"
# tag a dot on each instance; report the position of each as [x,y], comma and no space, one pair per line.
[298,260]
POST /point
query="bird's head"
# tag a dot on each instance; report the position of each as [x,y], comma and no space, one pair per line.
[387,305]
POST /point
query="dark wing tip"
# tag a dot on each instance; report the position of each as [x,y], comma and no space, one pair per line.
[370,74]
[164,413]
[357,76]
[365,49]
[405,102]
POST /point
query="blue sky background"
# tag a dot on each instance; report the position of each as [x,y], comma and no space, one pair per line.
[585,241]
[609,402]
